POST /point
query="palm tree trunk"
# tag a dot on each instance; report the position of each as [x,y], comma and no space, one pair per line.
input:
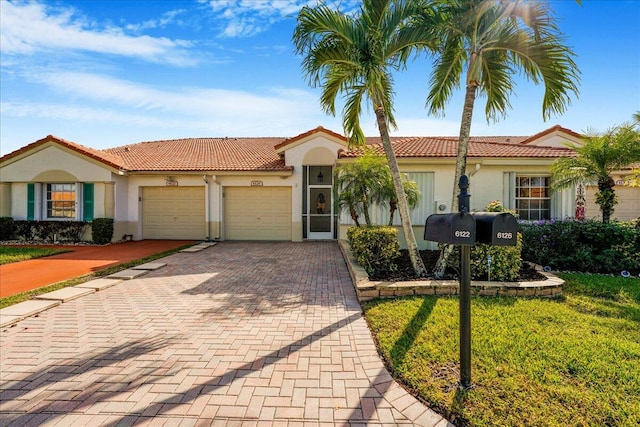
[393,207]
[365,207]
[606,198]
[461,166]
[403,207]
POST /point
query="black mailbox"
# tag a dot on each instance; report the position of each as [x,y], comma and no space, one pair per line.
[455,228]
[496,228]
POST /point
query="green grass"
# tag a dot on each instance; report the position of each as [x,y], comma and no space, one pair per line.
[535,362]
[24,296]
[9,254]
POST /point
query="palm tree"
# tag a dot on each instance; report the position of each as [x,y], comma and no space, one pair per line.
[360,184]
[485,43]
[596,158]
[355,55]
[366,182]
[410,190]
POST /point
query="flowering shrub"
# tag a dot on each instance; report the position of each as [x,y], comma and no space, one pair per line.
[587,246]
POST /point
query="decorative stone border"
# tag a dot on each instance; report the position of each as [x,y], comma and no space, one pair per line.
[366,289]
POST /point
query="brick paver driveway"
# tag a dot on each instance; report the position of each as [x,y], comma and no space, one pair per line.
[238,334]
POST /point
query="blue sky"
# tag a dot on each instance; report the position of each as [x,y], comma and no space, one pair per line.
[109,73]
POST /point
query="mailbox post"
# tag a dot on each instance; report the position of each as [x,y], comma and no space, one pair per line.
[465,229]
[465,292]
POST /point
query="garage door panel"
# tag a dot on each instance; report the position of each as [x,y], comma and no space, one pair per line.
[262,213]
[173,213]
[628,206]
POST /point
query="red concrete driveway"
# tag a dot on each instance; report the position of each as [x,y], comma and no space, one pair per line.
[27,275]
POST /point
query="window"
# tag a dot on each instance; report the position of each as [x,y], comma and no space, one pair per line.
[61,201]
[533,201]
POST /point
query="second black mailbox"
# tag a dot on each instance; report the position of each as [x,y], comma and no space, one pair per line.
[496,228]
[454,228]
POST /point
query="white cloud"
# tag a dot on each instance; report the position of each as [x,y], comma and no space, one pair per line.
[29,28]
[245,18]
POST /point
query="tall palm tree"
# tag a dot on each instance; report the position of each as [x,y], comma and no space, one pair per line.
[355,55]
[485,44]
[596,158]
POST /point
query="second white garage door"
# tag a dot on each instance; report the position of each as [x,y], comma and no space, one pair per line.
[628,206]
[174,213]
[257,213]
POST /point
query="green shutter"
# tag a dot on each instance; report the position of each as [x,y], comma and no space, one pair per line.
[87,201]
[31,201]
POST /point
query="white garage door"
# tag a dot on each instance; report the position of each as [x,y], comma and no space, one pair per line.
[628,206]
[257,213]
[175,213]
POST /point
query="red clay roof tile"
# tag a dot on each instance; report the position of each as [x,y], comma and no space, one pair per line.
[200,154]
[448,146]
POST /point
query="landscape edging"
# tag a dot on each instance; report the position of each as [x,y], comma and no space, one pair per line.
[367,289]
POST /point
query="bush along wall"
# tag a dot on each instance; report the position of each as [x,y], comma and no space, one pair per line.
[375,248]
[7,228]
[102,230]
[505,262]
[49,231]
[586,246]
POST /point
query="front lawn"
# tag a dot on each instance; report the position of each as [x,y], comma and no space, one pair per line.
[535,362]
[9,254]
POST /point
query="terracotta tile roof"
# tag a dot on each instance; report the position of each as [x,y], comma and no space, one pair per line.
[103,157]
[200,154]
[478,147]
[310,132]
[550,130]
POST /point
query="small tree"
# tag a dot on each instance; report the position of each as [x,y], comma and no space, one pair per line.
[596,159]
[367,181]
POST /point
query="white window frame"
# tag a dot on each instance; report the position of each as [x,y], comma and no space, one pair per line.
[543,213]
[75,189]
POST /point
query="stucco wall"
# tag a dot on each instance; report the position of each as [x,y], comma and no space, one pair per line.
[53,158]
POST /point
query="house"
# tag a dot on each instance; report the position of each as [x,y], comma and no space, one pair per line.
[265,188]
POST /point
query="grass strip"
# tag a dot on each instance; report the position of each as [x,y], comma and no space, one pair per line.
[10,254]
[24,296]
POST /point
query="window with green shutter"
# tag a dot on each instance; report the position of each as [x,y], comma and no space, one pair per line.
[87,201]
[31,201]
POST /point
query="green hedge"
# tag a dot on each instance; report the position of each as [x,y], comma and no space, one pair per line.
[102,230]
[375,248]
[50,231]
[505,262]
[7,228]
[585,246]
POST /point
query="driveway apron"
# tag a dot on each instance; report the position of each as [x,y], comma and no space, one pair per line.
[238,334]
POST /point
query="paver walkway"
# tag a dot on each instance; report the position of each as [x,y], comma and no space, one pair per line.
[240,334]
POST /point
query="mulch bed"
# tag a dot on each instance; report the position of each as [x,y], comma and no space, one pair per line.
[405,269]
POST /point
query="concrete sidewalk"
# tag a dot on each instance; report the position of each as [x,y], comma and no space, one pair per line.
[237,334]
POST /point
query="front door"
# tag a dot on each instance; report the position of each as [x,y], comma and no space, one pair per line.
[319,202]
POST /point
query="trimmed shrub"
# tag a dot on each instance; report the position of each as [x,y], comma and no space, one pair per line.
[375,248]
[505,262]
[73,230]
[25,230]
[586,246]
[7,228]
[102,230]
[50,231]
